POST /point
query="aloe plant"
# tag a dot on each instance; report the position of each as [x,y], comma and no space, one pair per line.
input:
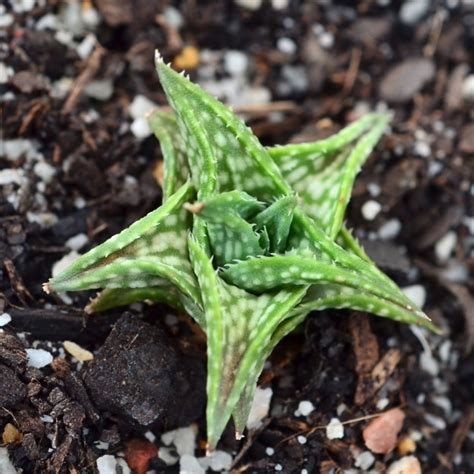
[249,240]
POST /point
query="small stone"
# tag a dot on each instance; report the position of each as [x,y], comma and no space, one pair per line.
[6,20]
[100,89]
[278,467]
[249,4]
[445,246]
[380,435]
[422,149]
[218,461]
[269,451]
[468,88]
[371,209]
[184,439]
[417,293]
[140,106]
[305,408]
[140,128]
[428,363]
[86,46]
[106,464]
[5,318]
[76,242]
[390,229]
[260,407]
[188,464]
[236,62]
[405,465]
[364,460]
[187,59]
[406,446]
[173,17]
[302,439]
[326,39]
[435,421]
[6,467]
[404,80]
[279,4]
[167,457]
[335,429]
[44,171]
[286,46]
[77,351]
[11,176]
[38,358]
[412,11]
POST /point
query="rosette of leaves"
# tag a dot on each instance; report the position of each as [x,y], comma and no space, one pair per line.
[249,240]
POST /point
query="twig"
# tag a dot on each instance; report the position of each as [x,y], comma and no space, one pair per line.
[84,78]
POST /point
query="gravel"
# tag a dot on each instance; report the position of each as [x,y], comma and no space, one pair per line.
[39,358]
[335,429]
[260,407]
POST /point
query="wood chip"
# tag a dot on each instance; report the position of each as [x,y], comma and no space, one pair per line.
[380,435]
[77,351]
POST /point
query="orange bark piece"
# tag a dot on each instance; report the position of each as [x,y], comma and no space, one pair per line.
[380,435]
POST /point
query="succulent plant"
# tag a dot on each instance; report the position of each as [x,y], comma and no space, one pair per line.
[249,240]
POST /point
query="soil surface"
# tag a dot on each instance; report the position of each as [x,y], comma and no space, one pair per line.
[348,393]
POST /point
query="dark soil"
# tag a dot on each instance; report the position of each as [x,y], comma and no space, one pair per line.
[77,169]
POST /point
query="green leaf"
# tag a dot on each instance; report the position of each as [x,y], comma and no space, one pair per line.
[277,220]
[223,152]
[323,172]
[176,170]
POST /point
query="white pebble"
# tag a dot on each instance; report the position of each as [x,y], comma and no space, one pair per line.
[269,451]
[140,128]
[435,421]
[217,461]
[47,22]
[6,467]
[188,464]
[390,229]
[140,106]
[444,350]
[44,171]
[428,363]
[326,40]
[286,45]
[417,293]
[302,439]
[86,46]
[374,189]
[38,358]
[422,149]
[173,17]
[6,19]
[304,471]
[76,242]
[445,246]
[5,73]
[305,408]
[100,89]
[235,62]
[279,4]
[405,465]
[44,219]
[11,176]
[106,464]
[260,407]
[5,318]
[79,202]
[278,467]
[62,264]
[382,403]
[413,11]
[249,4]
[165,455]
[364,460]
[20,6]
[468,88]
[335,429]
[184,440]
[370,210]
[46,419]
